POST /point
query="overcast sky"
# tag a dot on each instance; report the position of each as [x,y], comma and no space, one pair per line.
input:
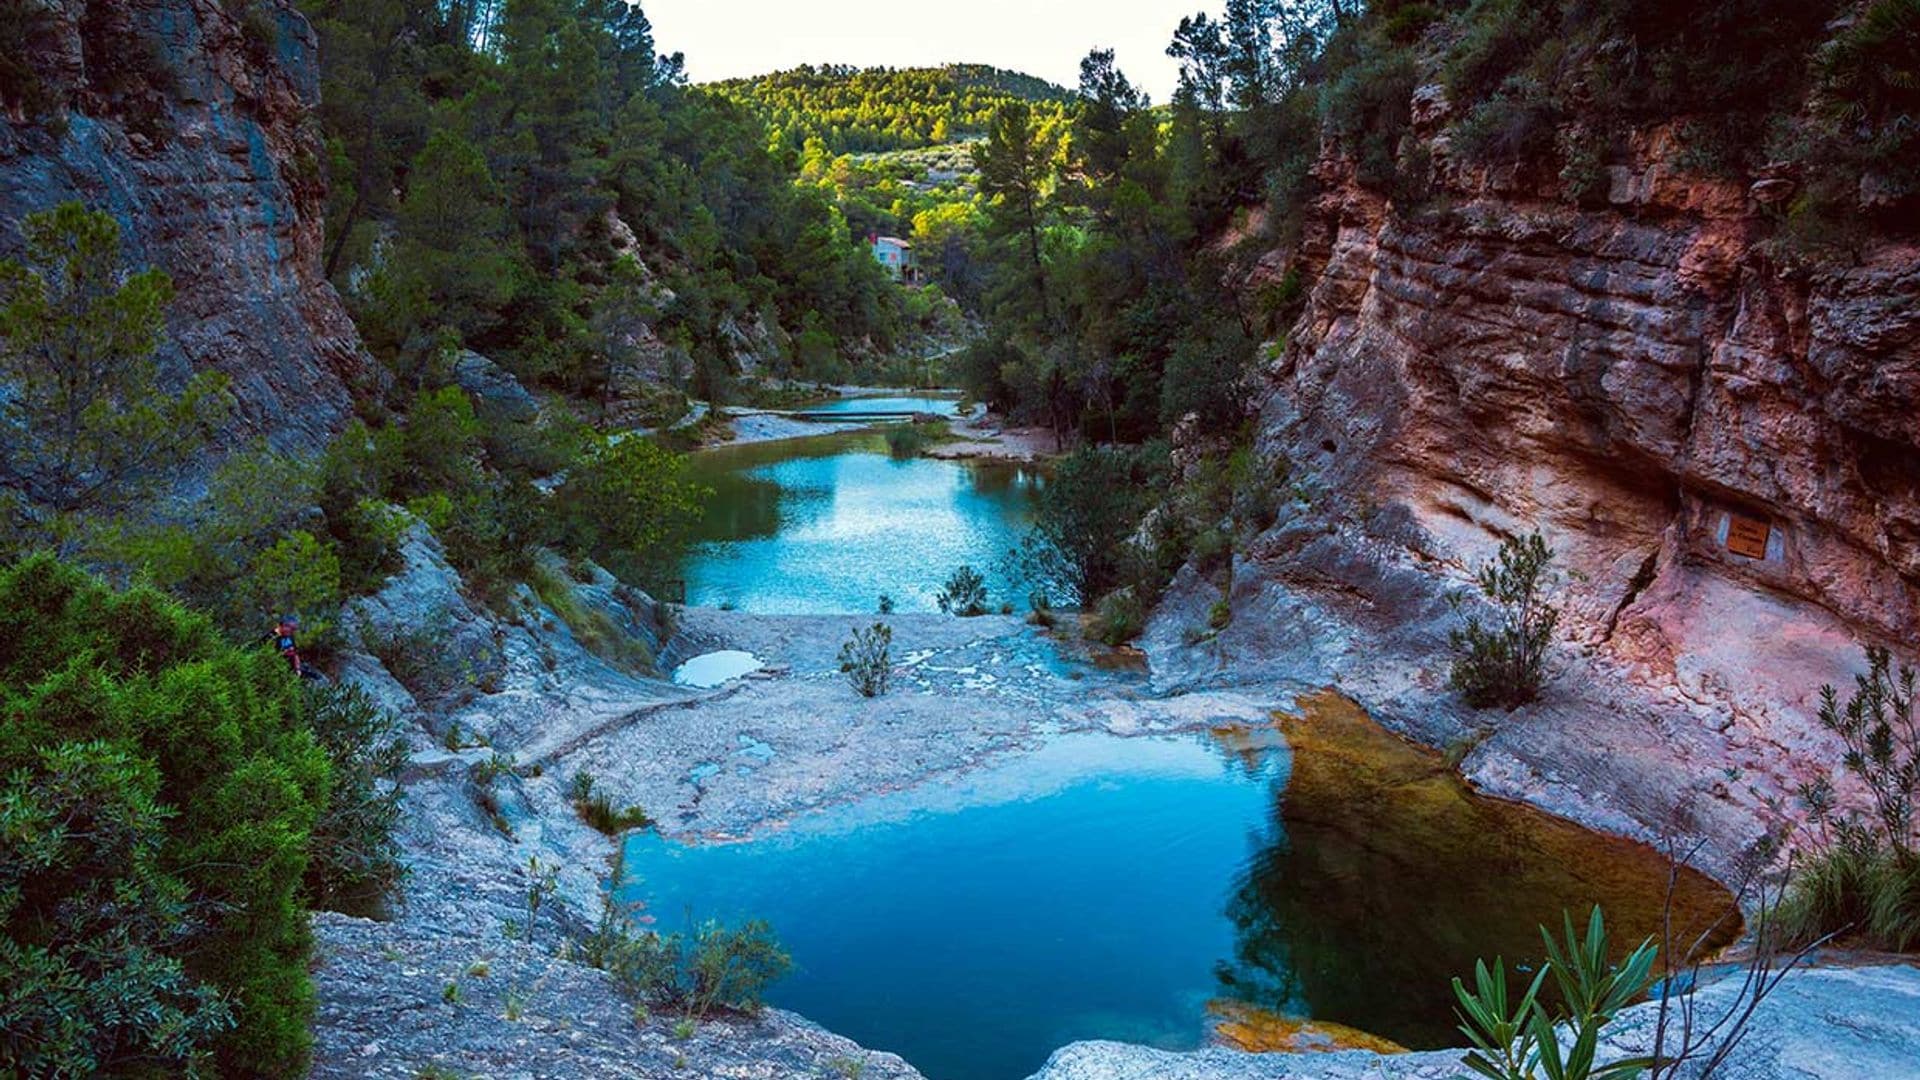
[726,38]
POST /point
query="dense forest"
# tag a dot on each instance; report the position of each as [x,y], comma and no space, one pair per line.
[486,160]
[870,110]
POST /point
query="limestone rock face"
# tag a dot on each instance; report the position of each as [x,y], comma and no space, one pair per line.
[192,125]
[1630,380]
[1722,446]
[496,393]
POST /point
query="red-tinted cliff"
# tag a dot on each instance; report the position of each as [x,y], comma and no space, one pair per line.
[191,122]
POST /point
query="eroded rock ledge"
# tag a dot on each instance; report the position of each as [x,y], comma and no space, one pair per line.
[1825,1024]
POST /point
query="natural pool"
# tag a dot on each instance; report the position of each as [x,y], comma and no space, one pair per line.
[827,524]
[938,405]
[1102,887]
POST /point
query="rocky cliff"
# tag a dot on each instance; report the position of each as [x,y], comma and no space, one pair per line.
[191,122]
[1722,444]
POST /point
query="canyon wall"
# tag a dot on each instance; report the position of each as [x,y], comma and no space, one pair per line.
[1721,443]
[191,122]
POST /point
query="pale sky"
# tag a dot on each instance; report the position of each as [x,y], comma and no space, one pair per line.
[728,38]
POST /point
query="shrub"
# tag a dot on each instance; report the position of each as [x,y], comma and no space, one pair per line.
[1120,619]
[1220,615]
[907,440]
[1864,876]
[1504,663]
[297,573]
[355,860]
[87,429]
[1519,1041]
[716,969]
[866,659]
[91,987]
[629,505]
[1088,511]
[597,811]
[964,594]
[596,808]
[126,710]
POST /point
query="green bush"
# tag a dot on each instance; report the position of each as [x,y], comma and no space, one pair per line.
[1089,508]
[1120,619]
[907,440]
[630,504]
[715,969]
[1504,663]
[964,594]
[1521,1040]
[866,660]
[1864,875]
[126,709]
[355,860]
[597,810]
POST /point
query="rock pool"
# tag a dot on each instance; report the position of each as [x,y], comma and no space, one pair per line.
[829,523]
[1105,887]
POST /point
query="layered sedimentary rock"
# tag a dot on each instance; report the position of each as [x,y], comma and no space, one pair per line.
[191,122]
[1645,381]
[1721,442]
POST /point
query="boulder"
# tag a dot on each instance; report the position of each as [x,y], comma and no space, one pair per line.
[496,394]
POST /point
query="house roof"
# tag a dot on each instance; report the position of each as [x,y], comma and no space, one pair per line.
[894,240]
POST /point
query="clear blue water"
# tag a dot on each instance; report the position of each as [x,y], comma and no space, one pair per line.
[974,925]
[1109,888]
[827,524]
[937,405]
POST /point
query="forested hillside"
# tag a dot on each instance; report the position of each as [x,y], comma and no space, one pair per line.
[1107,245]
[869,110]
[533,181]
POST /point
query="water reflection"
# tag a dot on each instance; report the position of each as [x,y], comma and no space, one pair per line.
[1388,876]
[827,524]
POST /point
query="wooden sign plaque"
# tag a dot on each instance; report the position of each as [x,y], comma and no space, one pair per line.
[1748,536]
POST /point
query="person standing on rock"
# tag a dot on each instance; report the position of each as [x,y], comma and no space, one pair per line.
[284,640]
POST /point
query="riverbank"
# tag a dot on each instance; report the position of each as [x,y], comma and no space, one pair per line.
[725,762]
[488,813]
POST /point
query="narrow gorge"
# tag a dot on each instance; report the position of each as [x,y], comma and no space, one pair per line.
[924,572]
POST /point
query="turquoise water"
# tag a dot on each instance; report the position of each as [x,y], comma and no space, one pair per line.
[939,406]
[1109,888]
[827,524]
[974,925]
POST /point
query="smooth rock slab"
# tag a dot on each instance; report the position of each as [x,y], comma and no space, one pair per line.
[1819,1024]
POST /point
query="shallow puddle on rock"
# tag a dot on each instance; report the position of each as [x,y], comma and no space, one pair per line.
[1150,889]
[709,670]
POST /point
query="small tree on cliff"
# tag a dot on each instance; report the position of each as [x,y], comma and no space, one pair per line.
[1504,662]
[83,425]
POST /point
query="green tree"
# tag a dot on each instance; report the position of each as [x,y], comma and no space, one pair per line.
[86,427]
[1504,663]
[93,984]
[630,504]
[1077,547]
[451,266]
[188,786]
[1016,164]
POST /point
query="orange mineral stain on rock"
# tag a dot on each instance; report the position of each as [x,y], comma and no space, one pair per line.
[1257,1031]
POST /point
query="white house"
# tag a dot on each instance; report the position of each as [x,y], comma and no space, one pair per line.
[897,256]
